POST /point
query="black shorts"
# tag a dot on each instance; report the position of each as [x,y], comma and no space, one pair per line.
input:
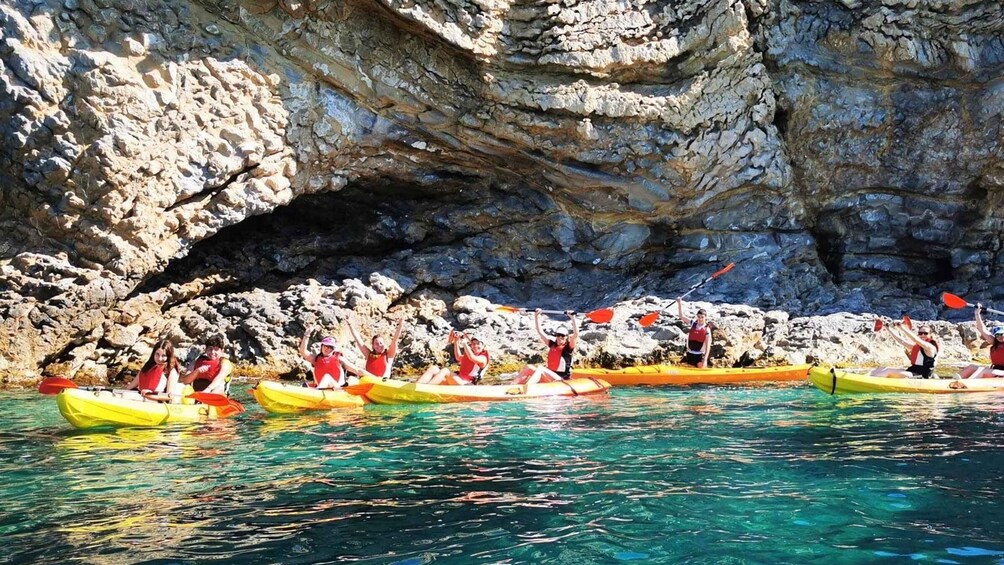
[920,371]
[693,358]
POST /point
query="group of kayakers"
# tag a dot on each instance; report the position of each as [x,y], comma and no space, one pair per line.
[331,370]
[163,375]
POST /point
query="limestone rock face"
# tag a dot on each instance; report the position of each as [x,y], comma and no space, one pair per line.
[245,166]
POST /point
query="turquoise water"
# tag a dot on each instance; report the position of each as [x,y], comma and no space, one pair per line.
[725,475]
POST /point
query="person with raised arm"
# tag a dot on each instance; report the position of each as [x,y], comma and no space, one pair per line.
[698,338]
[379,356]
[559,354]
[920,348]
[330,367]
[994,337]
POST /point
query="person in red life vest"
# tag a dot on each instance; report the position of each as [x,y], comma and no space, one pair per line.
[330,366]
[698,338]
[379,356]
[921,349]
[160,373]
[994,337]
[470,352]
[210,372]
[559,354]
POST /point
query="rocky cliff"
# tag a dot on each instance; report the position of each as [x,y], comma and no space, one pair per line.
[246,166]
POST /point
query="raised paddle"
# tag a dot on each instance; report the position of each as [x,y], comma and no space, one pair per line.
[650,318]
[956,302]
[54,385]
[601,316]
[906,323]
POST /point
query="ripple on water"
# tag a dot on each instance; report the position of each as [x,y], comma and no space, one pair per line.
[646,475]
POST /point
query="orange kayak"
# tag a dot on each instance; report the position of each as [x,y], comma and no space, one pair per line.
[676,375]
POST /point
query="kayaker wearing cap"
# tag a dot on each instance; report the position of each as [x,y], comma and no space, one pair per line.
[210,372]
[920,348]
[470,352]
[329,365]
[379,356]
[160,373]
[559,354]
[699,337]
[995,337]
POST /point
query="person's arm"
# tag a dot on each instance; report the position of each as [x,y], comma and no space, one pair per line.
[359,343]
[191,374]
[540,331]
[134,383]
[219,384]
[392,348]
[679,310]
[308,357]
[929,348]
[707,349]
[458,348]
[355,369]
[981,328]
[898,339]
[173,388]
[574,338]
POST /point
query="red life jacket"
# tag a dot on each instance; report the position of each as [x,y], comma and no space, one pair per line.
[328,365]
[203,380]
[997,354]
[559,359]
[696,338]
[471,371]
[153,379]
[918,357]
[378,363]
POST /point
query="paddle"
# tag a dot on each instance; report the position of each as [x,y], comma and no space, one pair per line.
[601,316]
[650,318]
[906,323]
[956,302]
[54,385]
[359,389]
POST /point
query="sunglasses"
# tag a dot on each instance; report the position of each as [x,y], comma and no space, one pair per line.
[923,333]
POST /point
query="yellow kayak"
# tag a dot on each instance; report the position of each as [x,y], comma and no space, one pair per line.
[678,375]
[835,381]
[402,392]
[279,398]
[101,408]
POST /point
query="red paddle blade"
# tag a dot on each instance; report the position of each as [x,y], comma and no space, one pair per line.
[878,325]
[213,399]
[601,316]
[648,319]
[508,309]
[231,408]
[359,390]
[723,271]
[953,301]
[907,322]
[54,385]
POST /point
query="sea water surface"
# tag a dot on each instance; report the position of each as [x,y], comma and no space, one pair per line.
[643,475]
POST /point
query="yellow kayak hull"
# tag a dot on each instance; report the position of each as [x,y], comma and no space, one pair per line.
[279,398]
[402,392]
[677,375]
[102,408]
[835,381]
